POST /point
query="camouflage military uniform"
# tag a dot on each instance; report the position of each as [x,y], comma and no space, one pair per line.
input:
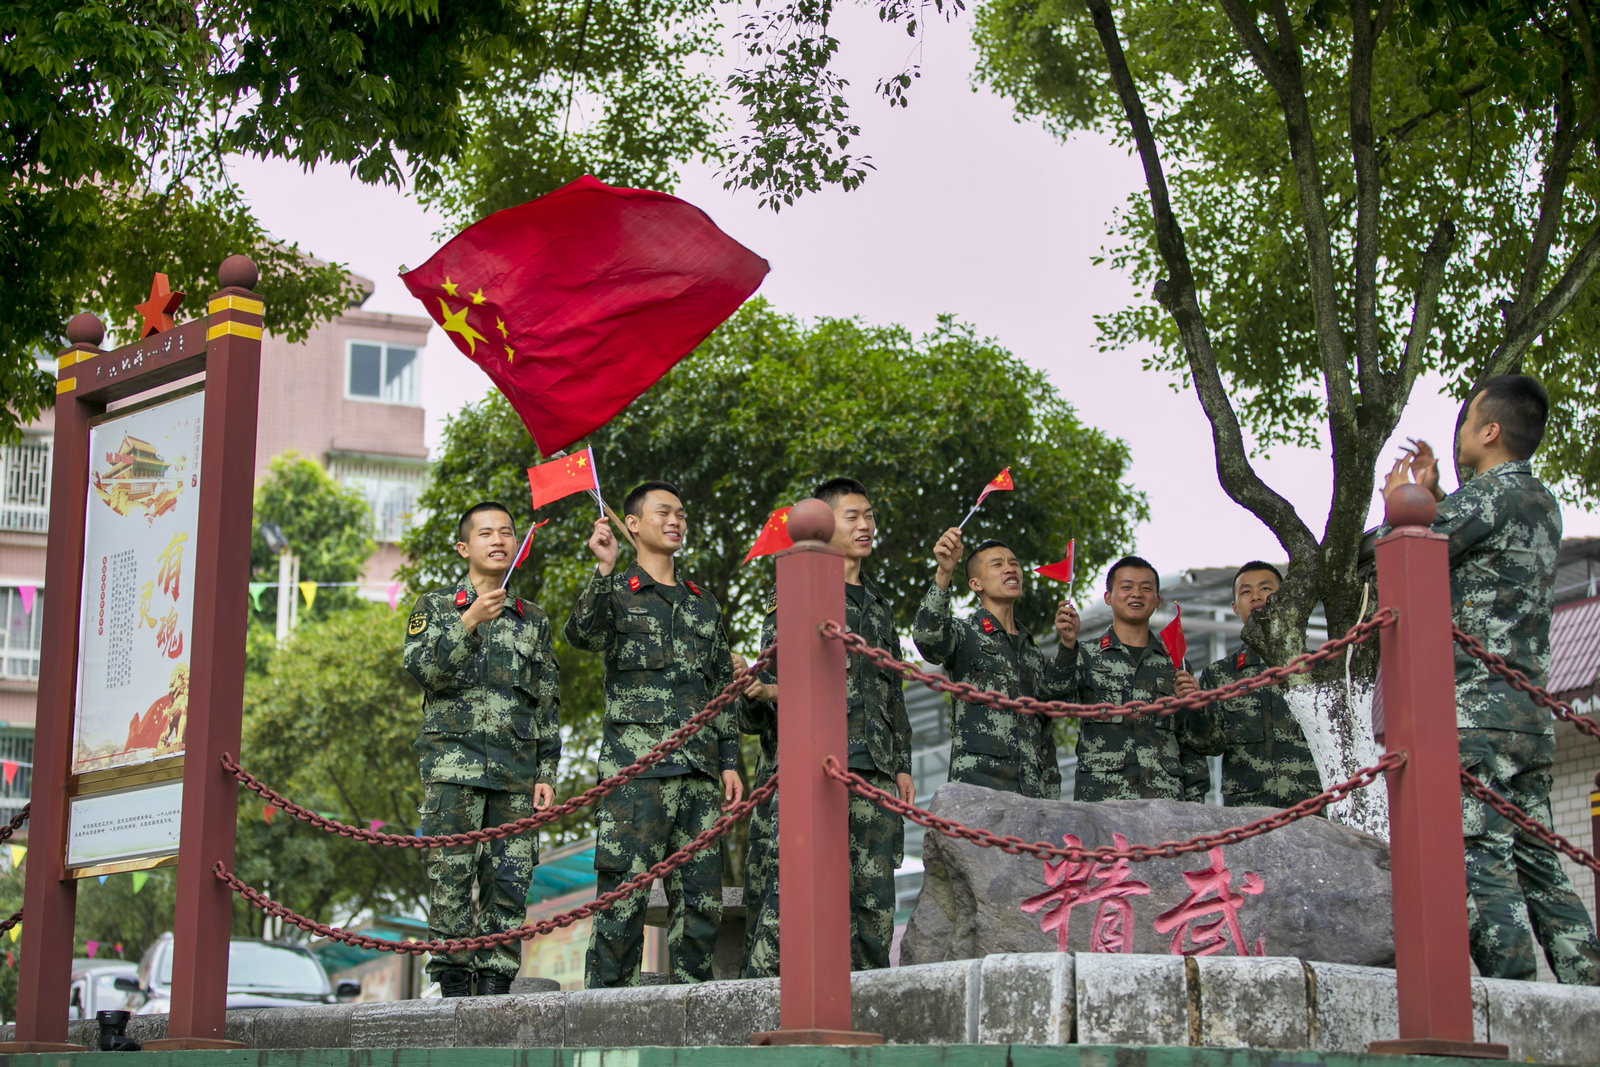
[1121,758]
[1265,759]
[1505,530]
[989,746]
[666,657]
[878,737]
[490,733]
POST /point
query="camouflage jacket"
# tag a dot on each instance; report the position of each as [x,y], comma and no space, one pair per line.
[664,663]
[991,746]
[490,698]
[1505,530]
[1121,758]
[1265,759]
[877,725]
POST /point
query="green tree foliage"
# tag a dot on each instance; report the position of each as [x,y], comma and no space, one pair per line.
[116,121]
[754,418]
[328,526]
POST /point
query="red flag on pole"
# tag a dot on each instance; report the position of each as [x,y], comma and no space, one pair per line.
[1001,481]
[1061,572]
[562,477]
[774,537]
[1172,637]
[577,302]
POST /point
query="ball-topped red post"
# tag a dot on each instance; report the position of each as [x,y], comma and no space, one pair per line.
[811,520]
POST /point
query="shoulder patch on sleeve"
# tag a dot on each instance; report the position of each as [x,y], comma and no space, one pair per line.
[987,624]
[1105,642]
[1238,661]
[633,583]
[461,598]
[418,623]
[772,602]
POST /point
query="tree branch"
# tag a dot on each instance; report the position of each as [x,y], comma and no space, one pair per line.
[1369,195]
[1552,200]
[1177,295]
[1507,359]
[1430,281]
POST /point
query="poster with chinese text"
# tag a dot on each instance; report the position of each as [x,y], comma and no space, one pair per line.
[138,585]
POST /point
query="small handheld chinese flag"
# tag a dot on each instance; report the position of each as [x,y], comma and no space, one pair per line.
[1061,572]
[1001,481]
[1172,637]
[522,553]
[774,536]
[579,301]
[562,477]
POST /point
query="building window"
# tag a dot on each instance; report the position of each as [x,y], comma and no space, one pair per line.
[20,633]
[382,372]
[16,746]
[25,485]
[390,487]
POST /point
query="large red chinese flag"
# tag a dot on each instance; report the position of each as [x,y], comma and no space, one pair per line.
[774,537]
[562,477]
[1172,637]
[577,302]
[1061,572]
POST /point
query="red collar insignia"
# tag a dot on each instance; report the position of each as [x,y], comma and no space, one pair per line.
[987,624]
[1238,661]
[516,605]
[461,598]
[1105,642]
[633,583]
[692,587]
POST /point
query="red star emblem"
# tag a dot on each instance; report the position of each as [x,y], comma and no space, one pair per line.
[157,311]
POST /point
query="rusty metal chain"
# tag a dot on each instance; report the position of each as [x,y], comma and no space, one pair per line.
[1016,846]
[1523,821]
[672,743]
[1519,681]
[527,931]
[1057,709]
[6,926]
[13,826]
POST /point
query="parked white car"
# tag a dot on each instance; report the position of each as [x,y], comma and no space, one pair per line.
[261,974]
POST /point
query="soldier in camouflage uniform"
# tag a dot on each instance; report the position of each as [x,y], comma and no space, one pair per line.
[490,743]
[878,736]
[666,656]
[1265,759]
[1121,758]
[991,747]
[1505,530]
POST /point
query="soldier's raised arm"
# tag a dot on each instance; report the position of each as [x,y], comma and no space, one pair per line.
[589,625]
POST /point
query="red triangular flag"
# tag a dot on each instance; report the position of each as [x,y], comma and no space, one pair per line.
[562,477]
[1061,572]
[267,813]
[577,302]
[1172,637]
[774,537]
[90,948]
[1001,481]
[527,544]
[10,766]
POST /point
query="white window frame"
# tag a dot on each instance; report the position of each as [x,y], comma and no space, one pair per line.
[10,609]
[415,372]
[33,459]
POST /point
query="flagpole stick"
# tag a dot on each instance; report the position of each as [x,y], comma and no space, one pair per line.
[971,513]
[526,538]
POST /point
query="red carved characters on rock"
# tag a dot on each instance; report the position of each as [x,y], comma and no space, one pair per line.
[1211,893]
[1113,921]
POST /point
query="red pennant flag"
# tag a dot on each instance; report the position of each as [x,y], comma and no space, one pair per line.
[1061,572]
[774,537]
[1002,481]
[527,544]
[1172,637]
[267,813]
[577,302]
[10,766]
[562,477]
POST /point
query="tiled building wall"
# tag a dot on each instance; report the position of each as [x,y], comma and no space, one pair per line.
[1577,761]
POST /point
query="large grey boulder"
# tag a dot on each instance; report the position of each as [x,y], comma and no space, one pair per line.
[1311,889]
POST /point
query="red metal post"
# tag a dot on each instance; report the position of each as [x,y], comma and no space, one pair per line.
[813,830]
[1433,969]
[1594,830]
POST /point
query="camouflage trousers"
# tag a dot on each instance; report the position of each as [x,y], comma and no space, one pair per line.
[877,845]
[1516,889]
[500,869]
[760,869]
[637,827]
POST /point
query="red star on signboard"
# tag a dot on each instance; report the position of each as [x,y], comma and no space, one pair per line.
[157,311]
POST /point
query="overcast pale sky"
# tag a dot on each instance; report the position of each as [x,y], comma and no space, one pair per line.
[968,212]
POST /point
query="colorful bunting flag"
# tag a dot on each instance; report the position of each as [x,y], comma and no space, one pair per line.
[774,536]
[374,825]
[1061,572]
[27,593]
[10,767]
[139,879]
[18,854]
[16,932]
[309,591]
[1172,637]
[394,594]
[102,879]
[90,948]
[256,589]
[577,302]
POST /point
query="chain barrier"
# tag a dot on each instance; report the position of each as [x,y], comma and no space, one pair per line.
[1057,709]
[6,926]
[1523,821]
[1016,846]
[527,931]
[673,742]
[12,827]
[1519,681]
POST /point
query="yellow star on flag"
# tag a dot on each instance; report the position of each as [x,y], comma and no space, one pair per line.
[510,352]
[456,322]
[448,286]
[478,297]
[500,324]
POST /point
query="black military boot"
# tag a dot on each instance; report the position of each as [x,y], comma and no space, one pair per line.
[494,985]
[455,982]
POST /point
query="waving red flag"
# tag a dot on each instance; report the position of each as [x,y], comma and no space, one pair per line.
[1061,572]
[774,537]
[577,302]
[1000,481]
[562,477]
[1172,637]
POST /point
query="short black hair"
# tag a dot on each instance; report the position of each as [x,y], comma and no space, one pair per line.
[1131,561]
[1520,405]
[831,490]
[1257,565]
[984,546]
[633,503]
[482,505]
